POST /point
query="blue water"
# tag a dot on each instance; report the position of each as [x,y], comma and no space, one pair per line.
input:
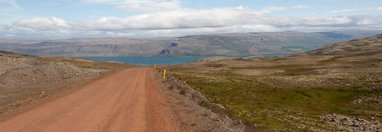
[147,60]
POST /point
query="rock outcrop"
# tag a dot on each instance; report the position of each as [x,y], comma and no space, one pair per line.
[168,51]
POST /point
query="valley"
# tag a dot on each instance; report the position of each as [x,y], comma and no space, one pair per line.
[336,87]
[190,66]
[230,44]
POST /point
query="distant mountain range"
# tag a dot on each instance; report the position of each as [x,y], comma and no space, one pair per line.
[232,44]
[365,48]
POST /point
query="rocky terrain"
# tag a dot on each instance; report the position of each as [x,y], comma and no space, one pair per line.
[193,110]
[335,88]
[352,123]
[25,79]
[233,44]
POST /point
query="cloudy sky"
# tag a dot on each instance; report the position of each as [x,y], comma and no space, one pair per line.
[167,18]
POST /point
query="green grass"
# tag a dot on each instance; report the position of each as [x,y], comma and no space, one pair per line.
[251,99]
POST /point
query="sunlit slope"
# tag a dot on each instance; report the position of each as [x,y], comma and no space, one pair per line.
[337,87]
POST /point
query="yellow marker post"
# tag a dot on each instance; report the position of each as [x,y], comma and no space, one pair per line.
[164,73]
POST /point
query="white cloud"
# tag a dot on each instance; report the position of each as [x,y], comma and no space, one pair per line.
[368,20]
[185,22]
[379,8]
[327,21]
[190,31]
[187,18]
[37,27]
[41,24]
[342,11]
[149,5]
[142,5]
[183,19]
[270,9]
[300,6]
[223,17]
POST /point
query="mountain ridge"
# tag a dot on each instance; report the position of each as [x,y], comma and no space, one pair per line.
[228,44]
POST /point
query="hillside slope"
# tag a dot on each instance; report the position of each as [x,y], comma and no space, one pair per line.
[338,87]
[233,44]
[25,78]
[357,47]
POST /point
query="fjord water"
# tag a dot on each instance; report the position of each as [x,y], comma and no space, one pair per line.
[147,60]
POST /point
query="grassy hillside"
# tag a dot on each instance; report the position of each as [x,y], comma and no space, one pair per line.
[334,88]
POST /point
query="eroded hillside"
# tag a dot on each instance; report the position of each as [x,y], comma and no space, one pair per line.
[25,79]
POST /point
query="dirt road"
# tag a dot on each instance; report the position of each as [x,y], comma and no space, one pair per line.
[127,101]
